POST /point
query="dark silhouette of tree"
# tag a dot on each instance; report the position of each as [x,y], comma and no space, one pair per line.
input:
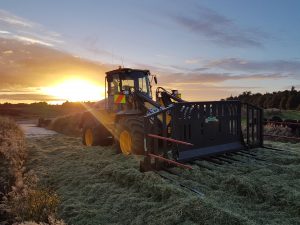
[288,99]
[283,101]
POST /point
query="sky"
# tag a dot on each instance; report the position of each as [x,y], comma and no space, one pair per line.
[207,49]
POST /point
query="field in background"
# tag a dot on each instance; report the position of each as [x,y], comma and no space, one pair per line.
[283,114]
[41,110]
[98,186]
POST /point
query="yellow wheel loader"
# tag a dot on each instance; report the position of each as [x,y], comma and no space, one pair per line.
[167,127]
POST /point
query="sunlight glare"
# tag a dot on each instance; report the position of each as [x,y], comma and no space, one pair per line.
[76,90]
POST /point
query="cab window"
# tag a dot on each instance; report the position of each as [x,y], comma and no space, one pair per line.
[115,86]
[128,84]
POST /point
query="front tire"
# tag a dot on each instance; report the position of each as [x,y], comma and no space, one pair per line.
[93,135]
[130,136]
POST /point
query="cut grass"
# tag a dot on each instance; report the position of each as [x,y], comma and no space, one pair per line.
[291,114]
[98,186]
[21,199]
[68,124]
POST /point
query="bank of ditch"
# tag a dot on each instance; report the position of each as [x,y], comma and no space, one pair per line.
[22,198]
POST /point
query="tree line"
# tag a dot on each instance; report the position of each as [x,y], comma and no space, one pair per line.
[288,99]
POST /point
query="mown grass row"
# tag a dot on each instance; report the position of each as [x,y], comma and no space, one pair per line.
[21,197]
[99,186]
[258,187]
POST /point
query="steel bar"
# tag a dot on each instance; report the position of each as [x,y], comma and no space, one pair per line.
[171,161]
[201,194]
[217,162]
[222,159]
[170,139]
[229,157]
[275,149]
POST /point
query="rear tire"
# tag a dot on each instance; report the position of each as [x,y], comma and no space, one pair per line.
[95,134]
[130,136]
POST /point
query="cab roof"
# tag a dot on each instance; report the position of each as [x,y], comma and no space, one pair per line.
[125,70]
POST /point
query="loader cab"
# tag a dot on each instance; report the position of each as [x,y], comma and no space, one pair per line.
[121,85]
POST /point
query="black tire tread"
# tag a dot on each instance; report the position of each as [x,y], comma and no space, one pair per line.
[100,133]
[135,125]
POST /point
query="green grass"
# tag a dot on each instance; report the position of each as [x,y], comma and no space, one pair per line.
[97,186]
[291,114]
[284,114]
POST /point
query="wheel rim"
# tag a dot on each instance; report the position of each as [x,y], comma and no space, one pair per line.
[88,137]
[125,142]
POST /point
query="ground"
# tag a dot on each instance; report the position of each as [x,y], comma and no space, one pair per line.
[98,186]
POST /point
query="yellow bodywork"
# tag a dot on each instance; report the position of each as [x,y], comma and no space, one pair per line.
[125,142]
[160,117]
[88,137]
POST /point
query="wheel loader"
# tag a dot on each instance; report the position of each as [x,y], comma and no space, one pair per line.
[165,128]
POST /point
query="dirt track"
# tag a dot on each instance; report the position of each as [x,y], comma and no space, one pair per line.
[32,131]
[98,186]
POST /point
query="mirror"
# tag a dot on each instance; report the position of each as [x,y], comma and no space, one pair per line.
[155,79]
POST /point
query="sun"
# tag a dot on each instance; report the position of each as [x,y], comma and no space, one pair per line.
[76,90]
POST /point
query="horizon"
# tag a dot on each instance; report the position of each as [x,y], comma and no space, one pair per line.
[207,51]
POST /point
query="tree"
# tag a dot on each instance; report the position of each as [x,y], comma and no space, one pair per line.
[275,101]
[293,102]
[288,99]
[283,101]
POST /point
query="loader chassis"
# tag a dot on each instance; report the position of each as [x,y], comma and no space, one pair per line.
[130,115]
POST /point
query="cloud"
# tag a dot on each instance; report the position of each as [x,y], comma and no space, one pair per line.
[185,69]
[213,78]
[196,86]
[27,97]
[32,40]
[7,52]
[16,27]
[219,29]
[4,32]
[38,65]
[8,18]
[280,66]
[200,86]
[192,61]
[91,43]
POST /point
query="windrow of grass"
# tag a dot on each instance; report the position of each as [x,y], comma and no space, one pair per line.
[12,158]
[68,124]
[21,199]
[264,188]
[98,186]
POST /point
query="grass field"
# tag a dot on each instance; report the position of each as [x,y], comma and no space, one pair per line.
[97,186]
[291,114]
[283,114]
[41,110]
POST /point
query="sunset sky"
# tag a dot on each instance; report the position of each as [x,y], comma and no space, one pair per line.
[207,49]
